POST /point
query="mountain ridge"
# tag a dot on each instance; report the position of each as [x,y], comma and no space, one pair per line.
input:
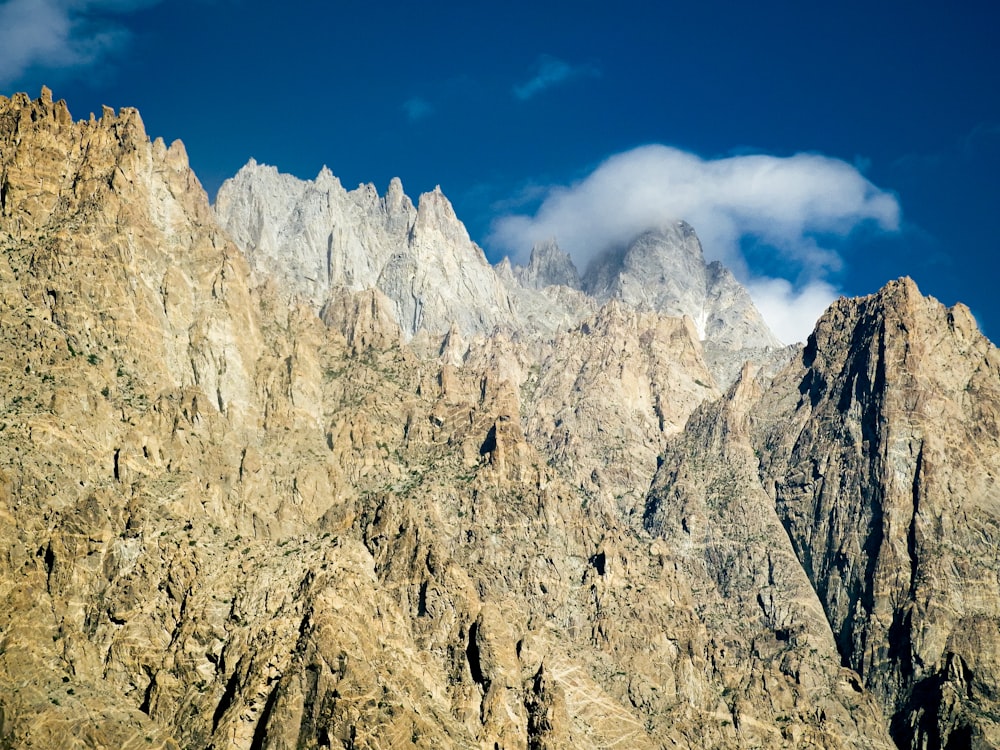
[228,521]
[318,237]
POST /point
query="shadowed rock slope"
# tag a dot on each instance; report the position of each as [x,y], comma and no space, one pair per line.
[227,522]
[881,449]
[878,451]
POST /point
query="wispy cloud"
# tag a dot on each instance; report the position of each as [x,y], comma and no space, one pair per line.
[551,71]
[417,108]
[59,34]
[790,206]
[974,147]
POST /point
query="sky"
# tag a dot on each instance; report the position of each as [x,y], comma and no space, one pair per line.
[818,149]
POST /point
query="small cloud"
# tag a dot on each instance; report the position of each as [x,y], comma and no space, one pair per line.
[975,147]
[551,71]
[762,215]
[59,34]
[983,137]
[791,313]
[417,108]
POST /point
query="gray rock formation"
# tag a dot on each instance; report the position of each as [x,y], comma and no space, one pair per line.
[664,270]
[548,265]
[316,237]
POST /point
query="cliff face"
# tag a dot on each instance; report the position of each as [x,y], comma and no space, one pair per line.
[231,521]
[319,239]
[884,470]
[876,449]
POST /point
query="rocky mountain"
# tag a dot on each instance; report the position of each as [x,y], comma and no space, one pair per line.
[320,240]
[549,265]
[247,503]
[664,269]
[877,450]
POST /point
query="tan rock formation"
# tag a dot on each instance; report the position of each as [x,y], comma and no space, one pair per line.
[881,449]
[227,522]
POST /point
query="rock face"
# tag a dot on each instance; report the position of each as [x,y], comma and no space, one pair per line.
[549,265]
[664,270]
[316,238]
[604,401]
[885,474]
[245,508]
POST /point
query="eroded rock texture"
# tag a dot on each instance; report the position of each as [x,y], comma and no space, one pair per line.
[885,475]
[233,520]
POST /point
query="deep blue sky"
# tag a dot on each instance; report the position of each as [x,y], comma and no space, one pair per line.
[442,93]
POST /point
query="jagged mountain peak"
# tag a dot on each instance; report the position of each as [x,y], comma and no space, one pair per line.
[664,269]
[396,200]
[899,311]
[358,241]
[318,238]
[436,215]
[327,180]
[52,182]
[127,121]
[226,521]
[654,269]
[548,265]
[881,442]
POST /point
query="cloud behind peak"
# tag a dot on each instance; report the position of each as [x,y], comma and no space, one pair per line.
[791,206]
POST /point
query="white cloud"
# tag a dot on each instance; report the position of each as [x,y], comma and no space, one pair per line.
[417,108]
[59,33]
[551,71]
[785,204]
[791,313]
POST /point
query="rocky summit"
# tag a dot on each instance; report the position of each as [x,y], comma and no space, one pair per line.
[302,470]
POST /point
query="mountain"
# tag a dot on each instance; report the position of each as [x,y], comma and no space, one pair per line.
[549,265]
[320,239]
[881,450]
[246,507]
[664,269]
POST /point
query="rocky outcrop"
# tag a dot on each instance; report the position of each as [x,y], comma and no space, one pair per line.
[875,450]
[604,401]
[664,270]
[719,530]
[548,265]
[880,449]
[233,514]
[316,237]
